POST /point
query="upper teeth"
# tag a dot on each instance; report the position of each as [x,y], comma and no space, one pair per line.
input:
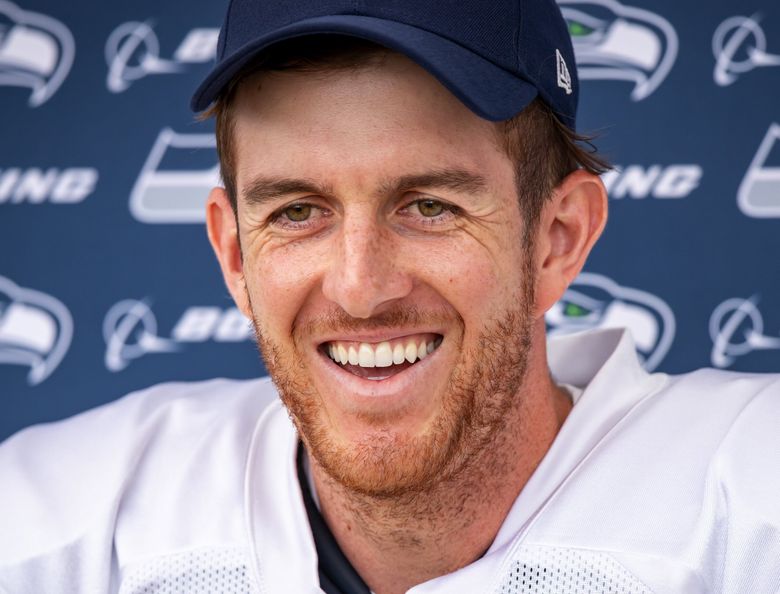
[383,354]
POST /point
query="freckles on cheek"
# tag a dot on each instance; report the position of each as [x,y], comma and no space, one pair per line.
[281,283]
[277,281]
[468,280]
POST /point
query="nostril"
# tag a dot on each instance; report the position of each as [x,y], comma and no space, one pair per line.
[364,286]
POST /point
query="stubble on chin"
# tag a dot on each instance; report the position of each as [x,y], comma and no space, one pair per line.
[481,389]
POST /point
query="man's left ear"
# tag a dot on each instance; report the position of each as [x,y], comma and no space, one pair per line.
[570,223]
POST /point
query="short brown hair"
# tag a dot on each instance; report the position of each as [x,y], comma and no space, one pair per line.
[543,149]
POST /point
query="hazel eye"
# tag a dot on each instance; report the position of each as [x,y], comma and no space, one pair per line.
[430,208]
[298,212]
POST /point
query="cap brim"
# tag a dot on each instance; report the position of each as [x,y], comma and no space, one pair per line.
[487,89]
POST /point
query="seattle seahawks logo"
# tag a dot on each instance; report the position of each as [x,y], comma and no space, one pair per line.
[759,193]
[176,179]
[617,42]
[595,301]
[36,52]
[35,330]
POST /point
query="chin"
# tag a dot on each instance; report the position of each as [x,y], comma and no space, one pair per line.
[414,429]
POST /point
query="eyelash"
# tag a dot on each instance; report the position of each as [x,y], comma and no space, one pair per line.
[449,210]
[278,217]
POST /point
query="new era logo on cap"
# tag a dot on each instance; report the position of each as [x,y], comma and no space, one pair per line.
[564,78]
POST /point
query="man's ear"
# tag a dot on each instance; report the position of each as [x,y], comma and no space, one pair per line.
[223,235]
[570,223]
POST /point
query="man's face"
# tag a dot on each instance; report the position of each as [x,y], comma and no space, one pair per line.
[379,223]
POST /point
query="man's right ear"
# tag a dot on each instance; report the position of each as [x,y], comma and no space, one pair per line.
[223,235]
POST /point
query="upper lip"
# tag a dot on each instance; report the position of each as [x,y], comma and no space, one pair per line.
[377,336]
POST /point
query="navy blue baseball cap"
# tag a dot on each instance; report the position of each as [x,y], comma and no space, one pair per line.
[496,56]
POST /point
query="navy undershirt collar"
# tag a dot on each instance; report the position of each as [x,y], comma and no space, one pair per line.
[337,576]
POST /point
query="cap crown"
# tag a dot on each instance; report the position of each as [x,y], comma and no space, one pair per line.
[488,28]
[525,39]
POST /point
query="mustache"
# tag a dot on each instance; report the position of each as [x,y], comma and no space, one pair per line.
[339,321]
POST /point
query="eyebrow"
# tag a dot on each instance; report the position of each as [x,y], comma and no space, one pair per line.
[264,189]
[457,180]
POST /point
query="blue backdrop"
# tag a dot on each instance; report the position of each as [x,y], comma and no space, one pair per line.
[107,282]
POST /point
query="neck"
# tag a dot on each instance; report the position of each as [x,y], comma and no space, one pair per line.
[397,543]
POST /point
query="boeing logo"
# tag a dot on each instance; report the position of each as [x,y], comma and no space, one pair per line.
[35,330]
[130,330]
[595,301]
[36,52]
[739,46]
[759,193]
[658,181]
[617,42]
[168,192]
[35,185]
[736,329]
[133,52]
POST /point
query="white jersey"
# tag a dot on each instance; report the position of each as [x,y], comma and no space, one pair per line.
[655,483]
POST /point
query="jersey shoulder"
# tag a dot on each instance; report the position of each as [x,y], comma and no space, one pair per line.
[733,402]
[681,490]
[747,455]
[718,417]
[60,480]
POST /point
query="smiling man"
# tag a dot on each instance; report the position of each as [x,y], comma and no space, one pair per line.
[376,239]
[404,197]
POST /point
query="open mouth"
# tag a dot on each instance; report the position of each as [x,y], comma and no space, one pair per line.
[378,361]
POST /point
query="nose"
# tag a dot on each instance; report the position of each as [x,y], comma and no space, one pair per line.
[366,274]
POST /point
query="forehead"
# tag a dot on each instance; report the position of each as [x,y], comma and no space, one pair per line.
[390,113]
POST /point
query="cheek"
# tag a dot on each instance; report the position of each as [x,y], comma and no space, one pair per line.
[484,263]
[280,280]
[478,282]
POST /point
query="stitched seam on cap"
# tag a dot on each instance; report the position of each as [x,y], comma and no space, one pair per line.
[517,33]
[227,28]
[522,50]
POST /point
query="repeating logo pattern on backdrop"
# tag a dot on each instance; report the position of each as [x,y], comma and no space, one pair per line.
[36,185]
[656,181]
[737,329]
[759,193]
[171,188]
[35,330]
[36,52]
[597,301]
[613,41]
[130,330]
[133,52]
[739,46]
